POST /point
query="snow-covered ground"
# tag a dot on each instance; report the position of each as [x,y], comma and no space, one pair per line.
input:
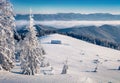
[81,58]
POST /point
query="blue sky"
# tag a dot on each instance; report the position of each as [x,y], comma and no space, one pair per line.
[66,6]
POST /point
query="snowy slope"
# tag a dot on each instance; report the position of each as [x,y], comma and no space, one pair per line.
[81,57]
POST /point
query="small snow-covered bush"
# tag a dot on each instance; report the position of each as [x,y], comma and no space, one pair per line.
[1,67]
[119,68]
[49,72]
[96,62]
[44,63]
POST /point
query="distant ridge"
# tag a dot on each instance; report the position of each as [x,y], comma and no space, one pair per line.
[70,16]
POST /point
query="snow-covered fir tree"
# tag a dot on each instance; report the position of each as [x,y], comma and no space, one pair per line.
[65,67]
[32,51]
[7,25]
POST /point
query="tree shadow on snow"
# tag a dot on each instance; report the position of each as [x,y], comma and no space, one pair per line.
[91,71]
[114,69]
[16,72]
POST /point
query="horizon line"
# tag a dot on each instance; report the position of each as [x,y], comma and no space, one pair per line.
[70,13]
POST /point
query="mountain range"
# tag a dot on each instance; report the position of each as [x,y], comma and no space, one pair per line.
[69,16]
[104,35]
[104,32]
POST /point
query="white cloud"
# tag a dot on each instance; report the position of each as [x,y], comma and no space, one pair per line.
[67,24]
[21,23]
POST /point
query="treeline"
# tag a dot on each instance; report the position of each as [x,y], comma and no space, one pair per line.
[87,38]
[90,39]
[21,34]
[43,31]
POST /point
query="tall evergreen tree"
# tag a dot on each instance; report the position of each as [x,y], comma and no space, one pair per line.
[7,25]
[32,52]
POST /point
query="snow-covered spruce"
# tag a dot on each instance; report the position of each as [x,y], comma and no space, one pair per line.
[7,25]
[32,52]
[65,68]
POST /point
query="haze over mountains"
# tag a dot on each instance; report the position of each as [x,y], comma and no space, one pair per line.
[69,16]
